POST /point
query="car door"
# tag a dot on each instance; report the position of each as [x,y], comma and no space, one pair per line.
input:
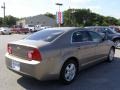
[85,48]
[102,48]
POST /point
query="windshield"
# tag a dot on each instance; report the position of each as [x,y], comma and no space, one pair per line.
[109,31]
[45,35]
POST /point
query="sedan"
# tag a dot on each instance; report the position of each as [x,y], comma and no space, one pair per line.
[112,33]
[58,53]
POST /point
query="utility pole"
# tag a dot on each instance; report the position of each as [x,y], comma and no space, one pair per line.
[3,12]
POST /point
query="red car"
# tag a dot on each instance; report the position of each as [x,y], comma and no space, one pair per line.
[19,29]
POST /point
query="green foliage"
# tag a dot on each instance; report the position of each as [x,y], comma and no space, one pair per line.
[1,21]
[50,15]
[84,17]
[8,21]
[118,21]
[73,17]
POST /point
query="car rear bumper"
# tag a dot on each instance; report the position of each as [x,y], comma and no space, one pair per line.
[33,69]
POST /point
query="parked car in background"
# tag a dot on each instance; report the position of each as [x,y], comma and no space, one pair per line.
[5,30]
[30,27]
[116,29]
[47,27]
[19,30]
[41,27]
[38,27]
[111,32]
[58,53]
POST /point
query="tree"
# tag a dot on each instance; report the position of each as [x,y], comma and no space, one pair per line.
[85,17]
[67,17]
[50,15]
[1,21]
[111,20]
[118,21]
[9,21]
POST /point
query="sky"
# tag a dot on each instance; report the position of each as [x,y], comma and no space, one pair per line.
[25,8]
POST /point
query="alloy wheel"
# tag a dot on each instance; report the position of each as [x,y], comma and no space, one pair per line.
[70,72]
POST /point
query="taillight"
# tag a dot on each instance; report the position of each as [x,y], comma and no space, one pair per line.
[9,49]
[34,55]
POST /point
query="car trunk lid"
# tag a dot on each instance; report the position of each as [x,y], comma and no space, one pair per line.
[21,48]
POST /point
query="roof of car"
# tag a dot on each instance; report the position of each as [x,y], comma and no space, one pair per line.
[65,28]
[97,27]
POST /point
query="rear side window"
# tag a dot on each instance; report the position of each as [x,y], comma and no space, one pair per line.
[80,36]
[45,35]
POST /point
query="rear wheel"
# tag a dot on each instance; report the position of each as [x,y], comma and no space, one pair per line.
[25,32]
[68,72]
[30,30]
[111,55]
[10,33]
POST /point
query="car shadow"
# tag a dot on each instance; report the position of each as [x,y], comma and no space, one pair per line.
[103,76]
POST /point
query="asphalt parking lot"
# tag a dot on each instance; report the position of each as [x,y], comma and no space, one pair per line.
[103,76]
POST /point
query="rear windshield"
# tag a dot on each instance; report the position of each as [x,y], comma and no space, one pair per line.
[45,35]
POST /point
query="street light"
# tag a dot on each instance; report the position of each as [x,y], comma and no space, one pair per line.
[3,11]
[59,4]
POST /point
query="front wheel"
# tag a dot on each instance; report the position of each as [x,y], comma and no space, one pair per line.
[117,43]
[111,55]
[68,72]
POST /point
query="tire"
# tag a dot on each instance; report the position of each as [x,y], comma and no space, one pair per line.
[30,30]
[2,33]
[68,72]
[117,42]
[111,55]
